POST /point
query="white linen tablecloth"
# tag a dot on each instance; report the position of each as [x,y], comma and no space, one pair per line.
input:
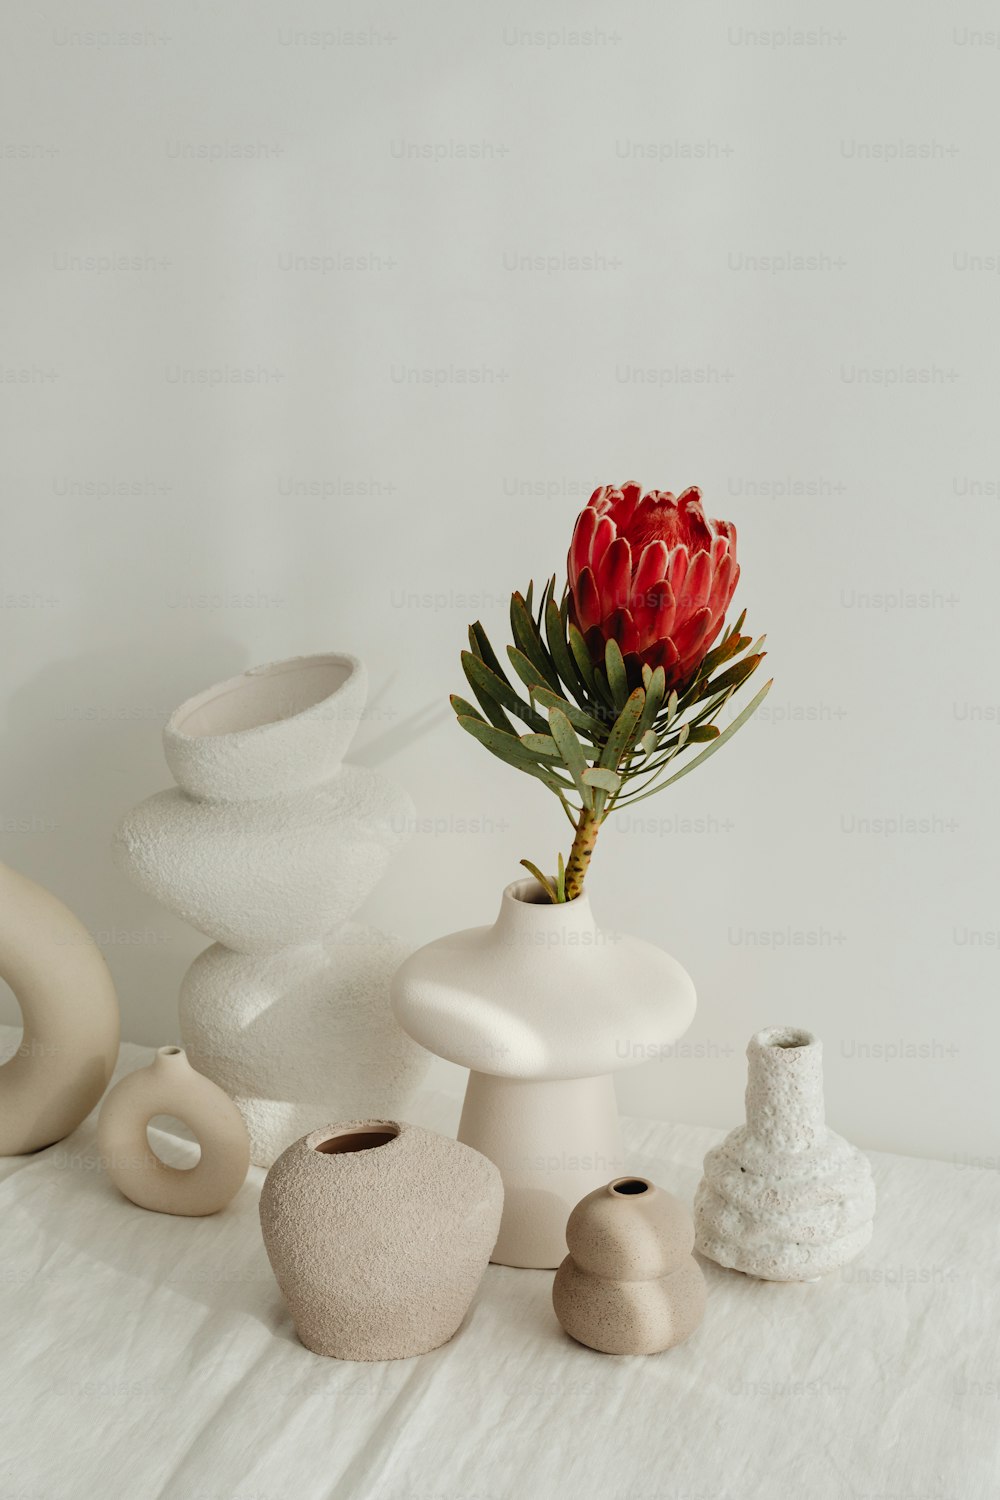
[151,1358]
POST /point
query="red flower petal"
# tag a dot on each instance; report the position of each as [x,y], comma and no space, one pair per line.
[679,560]
[689,638]
[614,576]
[663,654]
[624,508]
[697,585]
[603,537]
[582,543]
[651,568]
[586,601]
[720,549]
[621,627]
[654,613]
[723,585]
[692,518]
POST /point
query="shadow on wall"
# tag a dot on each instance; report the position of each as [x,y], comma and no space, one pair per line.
[81,745]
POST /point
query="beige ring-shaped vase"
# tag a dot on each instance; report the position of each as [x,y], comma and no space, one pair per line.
[70,1013]
[170,1086]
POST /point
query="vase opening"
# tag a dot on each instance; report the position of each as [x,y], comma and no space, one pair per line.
[169,1051]
[630,1186]
[355,1140]
[262,696]
[787,1037]
[530,893]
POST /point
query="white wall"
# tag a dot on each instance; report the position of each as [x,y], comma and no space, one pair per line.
[677,145]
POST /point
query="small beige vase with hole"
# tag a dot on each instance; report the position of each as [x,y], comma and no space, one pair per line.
[170,1086]
[629,1284]
[69,1008]
[378,1234]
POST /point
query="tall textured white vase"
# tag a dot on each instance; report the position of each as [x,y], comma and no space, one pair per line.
[543,1008]
[269,844]
[784,1197]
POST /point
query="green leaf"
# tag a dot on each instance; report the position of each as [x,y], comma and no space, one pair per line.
[649,742]
[561,878]
[526,670]
[540,744]
[530,642]
[614,665]
[463,706]
[480,644]
[672,706]
[543,881]
[600,776]
[578,717]
[732,677]
[701,732]
[492,690]
[507,747]
[571,751]
[656,688]
[716,744]
[562,659]
[488,689]
[621,738]
[584,665]
[724,652]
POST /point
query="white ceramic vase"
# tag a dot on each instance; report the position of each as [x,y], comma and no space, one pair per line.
[784,1197]
[269,844]
[543,1008]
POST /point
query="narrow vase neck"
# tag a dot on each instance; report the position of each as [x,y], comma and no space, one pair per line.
[540,923]
[784,1097]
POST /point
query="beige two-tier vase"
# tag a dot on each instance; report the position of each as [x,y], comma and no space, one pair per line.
[629,1284]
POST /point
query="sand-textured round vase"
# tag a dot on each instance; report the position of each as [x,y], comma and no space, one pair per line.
[170,1086]
[784,1197]
[69,1042]
[269,844]
[543,1007]
[629,1284]
[378,1234]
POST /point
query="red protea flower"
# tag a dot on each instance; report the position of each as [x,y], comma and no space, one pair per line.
[653,573]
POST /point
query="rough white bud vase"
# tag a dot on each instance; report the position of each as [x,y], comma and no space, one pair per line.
[170,1086]
[69,1042]
[629,1284]
[269,844]
[543,1007]
[378,1234]
[784,1198]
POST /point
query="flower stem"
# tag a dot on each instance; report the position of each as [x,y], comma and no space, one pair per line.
[579,856]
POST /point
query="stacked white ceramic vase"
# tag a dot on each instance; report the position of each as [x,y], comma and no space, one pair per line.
[269,844]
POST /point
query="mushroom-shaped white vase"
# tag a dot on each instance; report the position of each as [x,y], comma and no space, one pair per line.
[543,1008]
